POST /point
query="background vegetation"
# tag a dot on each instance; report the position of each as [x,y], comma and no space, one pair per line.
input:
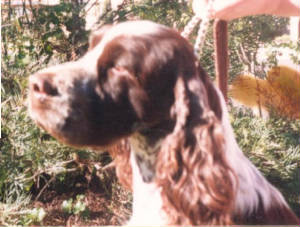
[38,174]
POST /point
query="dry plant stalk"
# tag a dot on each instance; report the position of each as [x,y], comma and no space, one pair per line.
[278,92]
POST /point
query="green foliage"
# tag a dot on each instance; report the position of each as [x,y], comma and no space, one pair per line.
[254,30]
[67,206]
[77,207]
[39,35]
[273,146]
[36,215]
[33,38]
[30,39]
[249,34]
[172,13]
[16,212]
[246,36]
[26,154]
[275,49]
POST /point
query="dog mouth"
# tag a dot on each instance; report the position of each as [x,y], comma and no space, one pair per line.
[57,126]
[65,119]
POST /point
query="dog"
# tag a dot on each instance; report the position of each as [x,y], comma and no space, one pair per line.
[141,87]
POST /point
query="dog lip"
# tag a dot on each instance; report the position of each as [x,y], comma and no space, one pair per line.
[39,97]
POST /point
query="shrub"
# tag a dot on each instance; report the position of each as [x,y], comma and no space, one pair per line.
[273,146]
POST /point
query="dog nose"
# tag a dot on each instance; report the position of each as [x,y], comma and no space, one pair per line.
[42,84]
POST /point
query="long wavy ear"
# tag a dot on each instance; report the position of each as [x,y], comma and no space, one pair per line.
[120,153]
[197,183]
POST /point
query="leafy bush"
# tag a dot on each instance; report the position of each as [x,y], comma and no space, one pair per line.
[172,13]
[30,159]
[273,146]
[41,34]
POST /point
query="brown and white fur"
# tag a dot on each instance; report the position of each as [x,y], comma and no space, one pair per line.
[141,89]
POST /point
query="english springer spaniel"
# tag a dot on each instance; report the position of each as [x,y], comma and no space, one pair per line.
[140,86]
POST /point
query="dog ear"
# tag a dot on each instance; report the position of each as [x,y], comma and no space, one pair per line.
[124,87]
[120,153]
[97,36]
[197,183]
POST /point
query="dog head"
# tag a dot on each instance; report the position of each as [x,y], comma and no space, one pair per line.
[120,85]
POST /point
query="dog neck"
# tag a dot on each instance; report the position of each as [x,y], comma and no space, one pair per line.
[145,144]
